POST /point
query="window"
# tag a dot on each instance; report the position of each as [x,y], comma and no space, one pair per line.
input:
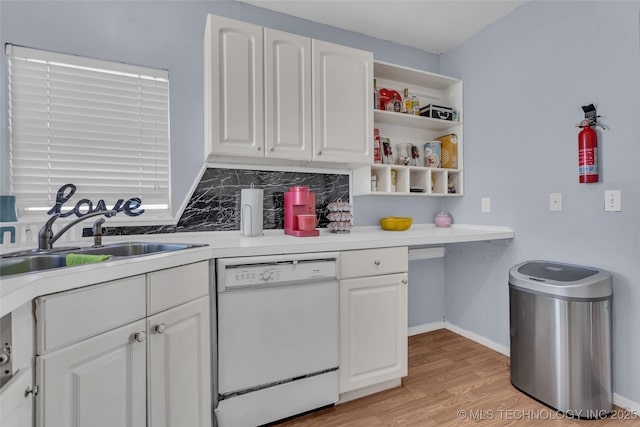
[102,126]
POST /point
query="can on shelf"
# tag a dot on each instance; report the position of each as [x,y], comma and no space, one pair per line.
[432,153]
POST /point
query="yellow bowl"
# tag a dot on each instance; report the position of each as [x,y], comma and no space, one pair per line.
[392,223]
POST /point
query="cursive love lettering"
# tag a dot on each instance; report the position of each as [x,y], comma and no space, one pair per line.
[85,206]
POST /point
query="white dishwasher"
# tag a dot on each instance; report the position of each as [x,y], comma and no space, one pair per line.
[278,337]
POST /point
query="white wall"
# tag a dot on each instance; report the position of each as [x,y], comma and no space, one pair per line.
[525,79]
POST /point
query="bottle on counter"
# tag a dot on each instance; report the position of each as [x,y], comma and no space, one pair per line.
[415,102]
[408,105]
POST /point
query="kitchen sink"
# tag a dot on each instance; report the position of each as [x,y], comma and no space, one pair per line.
[133,249]
[31,261]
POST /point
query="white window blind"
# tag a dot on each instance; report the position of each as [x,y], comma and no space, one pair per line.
[102,126]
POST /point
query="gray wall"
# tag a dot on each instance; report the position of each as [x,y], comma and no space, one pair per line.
[525,79]
[426,292]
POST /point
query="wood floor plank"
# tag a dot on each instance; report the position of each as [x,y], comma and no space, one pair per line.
[452,381]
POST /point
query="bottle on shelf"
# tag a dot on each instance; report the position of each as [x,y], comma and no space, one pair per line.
[415,102]
[397,103]
[408,105]
[376,96]
[377,146]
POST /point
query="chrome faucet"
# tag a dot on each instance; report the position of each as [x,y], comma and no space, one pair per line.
[97,232]
[46,238]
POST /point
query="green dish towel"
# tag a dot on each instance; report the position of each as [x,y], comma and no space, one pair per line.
[79,259]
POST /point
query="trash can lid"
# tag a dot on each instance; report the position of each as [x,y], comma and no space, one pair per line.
[559,279]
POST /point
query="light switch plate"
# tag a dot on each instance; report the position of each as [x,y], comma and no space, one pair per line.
[555,202]
[485,204]
[612,201]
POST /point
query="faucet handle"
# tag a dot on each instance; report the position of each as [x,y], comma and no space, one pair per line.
[46,232]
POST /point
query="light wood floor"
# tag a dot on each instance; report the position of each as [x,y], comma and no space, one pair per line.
[452,381]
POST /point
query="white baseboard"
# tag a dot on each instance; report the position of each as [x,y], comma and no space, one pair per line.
[365,391]
[427,327]
[477,338]
[622,402]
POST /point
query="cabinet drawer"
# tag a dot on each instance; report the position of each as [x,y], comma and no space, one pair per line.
[71,316]
[174,286]
[373,262]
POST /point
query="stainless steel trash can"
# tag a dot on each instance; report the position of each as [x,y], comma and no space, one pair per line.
[560,317]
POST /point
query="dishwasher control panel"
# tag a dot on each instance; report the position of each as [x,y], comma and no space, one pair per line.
[275,270]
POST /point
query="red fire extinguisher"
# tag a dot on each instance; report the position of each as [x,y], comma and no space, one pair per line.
[587,153]
[588,145]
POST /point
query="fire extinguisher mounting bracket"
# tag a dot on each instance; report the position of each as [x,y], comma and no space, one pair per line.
[590,117]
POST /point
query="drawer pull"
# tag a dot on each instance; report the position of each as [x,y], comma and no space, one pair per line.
[140,336]
[404,281]
[376,262]
[160,328]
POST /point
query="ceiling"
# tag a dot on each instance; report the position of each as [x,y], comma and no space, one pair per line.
[431,25]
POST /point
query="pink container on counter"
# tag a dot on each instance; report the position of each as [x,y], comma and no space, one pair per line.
[442,219]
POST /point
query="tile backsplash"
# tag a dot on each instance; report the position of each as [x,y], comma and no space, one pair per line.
[215,202]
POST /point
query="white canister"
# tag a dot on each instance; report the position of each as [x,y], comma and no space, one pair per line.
[251,200]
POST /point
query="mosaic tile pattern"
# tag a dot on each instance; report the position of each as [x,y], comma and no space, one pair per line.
[215,203]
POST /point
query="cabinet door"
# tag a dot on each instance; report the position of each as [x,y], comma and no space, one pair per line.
[16,406]
[179,366]
[234,93]
[287,95]
[343,103]
[96,382]
[373,330]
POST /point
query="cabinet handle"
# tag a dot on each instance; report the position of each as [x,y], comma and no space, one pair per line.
[272,149]
[30,390]
[376,262]
[160,328]
[320,153]
[405,281]
[259,148]
[140,336]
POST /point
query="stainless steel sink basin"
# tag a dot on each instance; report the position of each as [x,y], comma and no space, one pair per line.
[30,263]
[133,249]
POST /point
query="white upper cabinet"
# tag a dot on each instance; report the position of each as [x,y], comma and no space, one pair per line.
[234,88]
[287,110]
[343,103]
[271,95]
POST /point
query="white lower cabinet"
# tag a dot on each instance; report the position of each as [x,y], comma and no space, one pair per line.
[179,366]
[93,370]
[373,317]
[99,382]
[16,402]
[16,396]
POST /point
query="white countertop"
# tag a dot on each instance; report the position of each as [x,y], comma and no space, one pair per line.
[20,289]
